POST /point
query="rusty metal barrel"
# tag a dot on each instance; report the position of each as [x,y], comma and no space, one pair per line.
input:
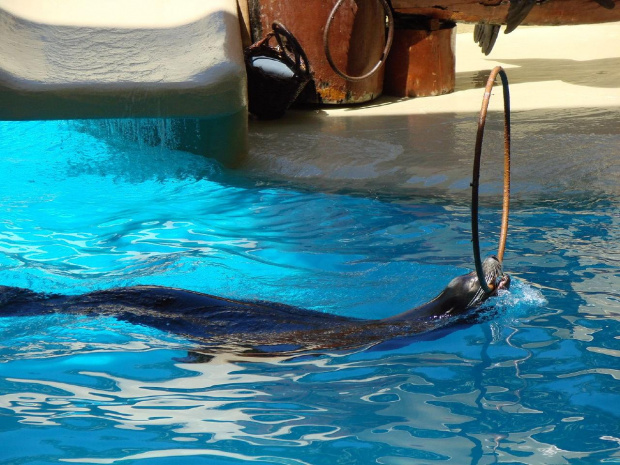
[357,38]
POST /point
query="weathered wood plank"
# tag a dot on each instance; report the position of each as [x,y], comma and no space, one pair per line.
[551,12]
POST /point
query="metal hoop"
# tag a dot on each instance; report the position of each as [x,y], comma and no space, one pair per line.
[386,50]
[476,176]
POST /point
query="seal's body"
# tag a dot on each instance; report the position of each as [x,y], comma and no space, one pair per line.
[218,321]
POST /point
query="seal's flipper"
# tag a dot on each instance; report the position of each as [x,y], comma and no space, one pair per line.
[485,35]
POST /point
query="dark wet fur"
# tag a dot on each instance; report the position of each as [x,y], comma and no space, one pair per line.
[262,326]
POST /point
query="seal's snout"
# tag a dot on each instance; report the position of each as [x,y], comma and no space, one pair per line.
[504,282]
[494,274]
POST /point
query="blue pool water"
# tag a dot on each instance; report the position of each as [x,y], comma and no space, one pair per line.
[535,383]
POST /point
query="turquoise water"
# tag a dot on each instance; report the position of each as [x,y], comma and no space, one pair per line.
[534,383]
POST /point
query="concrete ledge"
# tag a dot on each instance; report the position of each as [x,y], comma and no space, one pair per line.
[82,59]
[565,96]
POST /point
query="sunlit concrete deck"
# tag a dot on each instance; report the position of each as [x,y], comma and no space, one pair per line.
[565,93]
[82,59]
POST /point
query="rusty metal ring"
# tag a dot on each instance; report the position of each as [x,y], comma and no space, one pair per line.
[476,176]
[386,50]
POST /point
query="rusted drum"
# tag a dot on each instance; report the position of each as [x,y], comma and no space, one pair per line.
[422,59]
[356,38]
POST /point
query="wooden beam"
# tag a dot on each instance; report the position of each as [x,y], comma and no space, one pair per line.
[551,12]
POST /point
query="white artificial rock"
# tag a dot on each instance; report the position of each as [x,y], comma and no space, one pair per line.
[75,59]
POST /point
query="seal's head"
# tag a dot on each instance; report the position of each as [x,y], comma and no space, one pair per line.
[464,292]
[495,278]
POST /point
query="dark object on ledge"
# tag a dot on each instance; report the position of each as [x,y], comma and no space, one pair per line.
[276,74]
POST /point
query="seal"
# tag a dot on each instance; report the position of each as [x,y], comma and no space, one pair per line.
[218,322]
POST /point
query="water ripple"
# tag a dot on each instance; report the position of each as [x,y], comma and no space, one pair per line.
[531,381]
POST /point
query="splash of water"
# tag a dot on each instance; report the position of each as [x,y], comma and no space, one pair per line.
[521,296]
[510,305]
